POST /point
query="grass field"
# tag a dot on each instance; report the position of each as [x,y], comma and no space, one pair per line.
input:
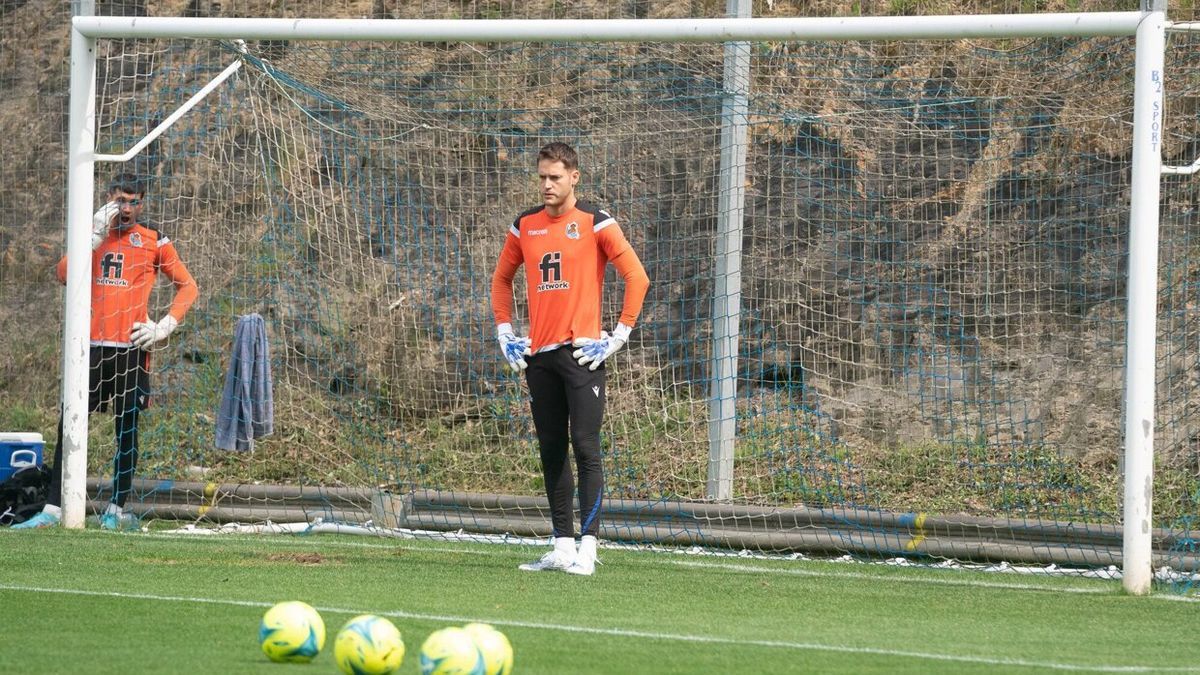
[99,602]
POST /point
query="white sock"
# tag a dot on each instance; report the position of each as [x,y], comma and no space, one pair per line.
[53,510]
[114,509]
[565,545]
[587,547]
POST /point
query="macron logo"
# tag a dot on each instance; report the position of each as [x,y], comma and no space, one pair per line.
[534,233]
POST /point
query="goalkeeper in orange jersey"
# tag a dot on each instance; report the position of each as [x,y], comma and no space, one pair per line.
[127,255]
[565,245]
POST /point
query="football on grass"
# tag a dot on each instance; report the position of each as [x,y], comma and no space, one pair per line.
[494,646]
[291,632]
[451,651]
[368,645]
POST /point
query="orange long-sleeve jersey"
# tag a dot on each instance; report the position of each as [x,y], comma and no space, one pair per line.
[124,268]
[564,258]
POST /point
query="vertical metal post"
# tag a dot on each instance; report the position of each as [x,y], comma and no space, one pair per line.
[727,288]
[1142,303]
[77,302]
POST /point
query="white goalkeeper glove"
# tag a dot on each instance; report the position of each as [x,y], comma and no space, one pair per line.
[147,333]
[596,351]
[515,349]
[102,219]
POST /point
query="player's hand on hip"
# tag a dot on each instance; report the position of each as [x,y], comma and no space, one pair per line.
[147,333]
[592,352]
[102,220]
[515,348]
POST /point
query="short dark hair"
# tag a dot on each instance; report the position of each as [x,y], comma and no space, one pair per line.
[559,152]
[128,183]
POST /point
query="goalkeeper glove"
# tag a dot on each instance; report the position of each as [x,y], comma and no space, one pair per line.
[515,349]
[596,351]
[102,220]
[147,333]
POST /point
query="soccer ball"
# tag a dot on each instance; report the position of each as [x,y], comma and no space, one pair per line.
[291,632]
[451,651]
[497,652]
[368,645]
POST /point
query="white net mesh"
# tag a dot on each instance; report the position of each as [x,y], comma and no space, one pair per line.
[932,284]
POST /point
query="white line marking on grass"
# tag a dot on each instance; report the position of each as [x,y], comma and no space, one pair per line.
[971,583]
[660,558]
[1176,598]
[620,632]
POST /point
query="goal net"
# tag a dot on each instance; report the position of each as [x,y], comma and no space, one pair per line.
[933,260]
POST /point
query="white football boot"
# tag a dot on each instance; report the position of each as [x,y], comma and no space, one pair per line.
[586,560]
[560,558]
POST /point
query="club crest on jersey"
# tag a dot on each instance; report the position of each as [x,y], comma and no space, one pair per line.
[572,230]
[135,239]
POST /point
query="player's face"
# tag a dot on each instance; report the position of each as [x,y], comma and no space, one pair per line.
[129,208]
[556,184]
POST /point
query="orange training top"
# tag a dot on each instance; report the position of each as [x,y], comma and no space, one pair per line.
[564,258]
[124,268]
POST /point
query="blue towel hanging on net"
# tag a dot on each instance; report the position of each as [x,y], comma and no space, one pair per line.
[247,408]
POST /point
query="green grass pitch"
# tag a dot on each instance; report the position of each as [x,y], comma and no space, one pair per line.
[97,602]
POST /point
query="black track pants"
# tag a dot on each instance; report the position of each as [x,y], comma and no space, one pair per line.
[567,401]
[119,375]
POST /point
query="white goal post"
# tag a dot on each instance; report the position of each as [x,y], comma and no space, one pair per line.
[1149,27]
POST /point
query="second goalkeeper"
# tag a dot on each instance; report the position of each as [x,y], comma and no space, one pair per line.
[127,255]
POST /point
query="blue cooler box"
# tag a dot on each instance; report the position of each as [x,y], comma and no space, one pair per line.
[19,450]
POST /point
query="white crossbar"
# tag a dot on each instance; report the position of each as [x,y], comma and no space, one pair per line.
[618,30]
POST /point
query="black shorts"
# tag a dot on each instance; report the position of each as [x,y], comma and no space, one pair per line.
[119,374]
